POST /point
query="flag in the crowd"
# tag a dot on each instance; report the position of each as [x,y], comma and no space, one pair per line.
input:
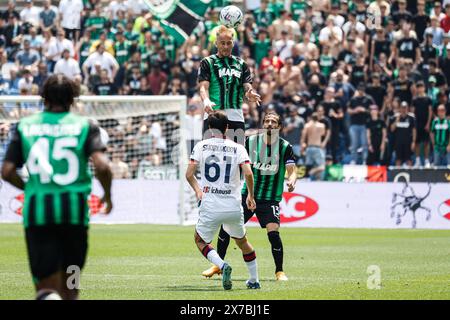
[354,173]
[178,17]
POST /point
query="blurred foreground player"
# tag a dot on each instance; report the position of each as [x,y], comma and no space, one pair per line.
[55,146]
[271,156]
[219,197]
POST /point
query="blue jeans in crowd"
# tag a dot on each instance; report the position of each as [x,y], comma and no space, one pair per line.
[441,158]
[358,141]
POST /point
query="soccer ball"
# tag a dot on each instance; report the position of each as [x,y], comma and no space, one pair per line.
[231,16]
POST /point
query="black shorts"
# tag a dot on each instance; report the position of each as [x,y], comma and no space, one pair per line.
[236,131]
[403,152]
[422,135]
[54,248]
[266,212]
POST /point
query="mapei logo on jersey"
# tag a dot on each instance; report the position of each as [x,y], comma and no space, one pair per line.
[444,209]
[229,73]
[295,207]
[16,204]
[266,167]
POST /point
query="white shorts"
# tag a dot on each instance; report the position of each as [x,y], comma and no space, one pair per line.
[209,223]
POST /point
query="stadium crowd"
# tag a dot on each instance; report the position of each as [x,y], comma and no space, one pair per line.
[375,73]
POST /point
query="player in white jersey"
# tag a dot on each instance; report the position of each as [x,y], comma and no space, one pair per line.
[219,196]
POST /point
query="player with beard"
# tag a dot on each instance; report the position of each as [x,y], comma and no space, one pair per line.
[271,156]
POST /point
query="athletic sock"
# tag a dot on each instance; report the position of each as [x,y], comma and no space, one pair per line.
[252,266]
[212,256]
[223,240]
[277,249]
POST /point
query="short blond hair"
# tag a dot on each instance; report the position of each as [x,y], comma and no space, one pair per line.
[225,31]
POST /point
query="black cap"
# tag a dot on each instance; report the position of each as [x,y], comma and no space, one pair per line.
[361,86]
[420,83]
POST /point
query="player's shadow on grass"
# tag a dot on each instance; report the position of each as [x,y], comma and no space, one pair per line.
[198,288]
[241,279]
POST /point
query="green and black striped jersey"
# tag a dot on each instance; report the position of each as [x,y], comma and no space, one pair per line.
[269,166]
[55,147]
[441,130]
[226,76]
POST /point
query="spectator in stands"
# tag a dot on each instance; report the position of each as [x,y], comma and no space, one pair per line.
[70,15]
[440,137]
[25,83]
[422,108]
[284,46]
[436,31]
[122,48]
[376,137]
[41,76]
[320,110]
[35,39]
[105,59]
[27,57]
[145,165]
[67,66]
[13,35]
[48,17]
[144,88]
[292,129]
[114,7]
[107,43]
[56,48]
[334,111]
[358,110]
[106,87]
[119,168]
[30,14]
[193,122]
[404,129]
[445,22]
[157,79]
[13,81]
[421,20]
[312,138]
[10,10]
[83,47]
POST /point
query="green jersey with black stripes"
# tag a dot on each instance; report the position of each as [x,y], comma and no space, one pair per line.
[441,130]
[55,147]
[226,76]
[269,166]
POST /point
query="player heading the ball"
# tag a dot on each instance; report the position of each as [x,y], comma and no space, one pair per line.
[224,81]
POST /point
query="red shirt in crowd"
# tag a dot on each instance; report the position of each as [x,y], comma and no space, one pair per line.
[445,23]
[156,80]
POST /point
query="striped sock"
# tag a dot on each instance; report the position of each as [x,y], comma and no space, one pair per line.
[213,256]
[252,266]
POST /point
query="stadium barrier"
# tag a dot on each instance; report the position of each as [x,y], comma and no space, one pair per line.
[322,204]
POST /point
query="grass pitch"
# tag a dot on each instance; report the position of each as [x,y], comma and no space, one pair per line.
[162,262]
